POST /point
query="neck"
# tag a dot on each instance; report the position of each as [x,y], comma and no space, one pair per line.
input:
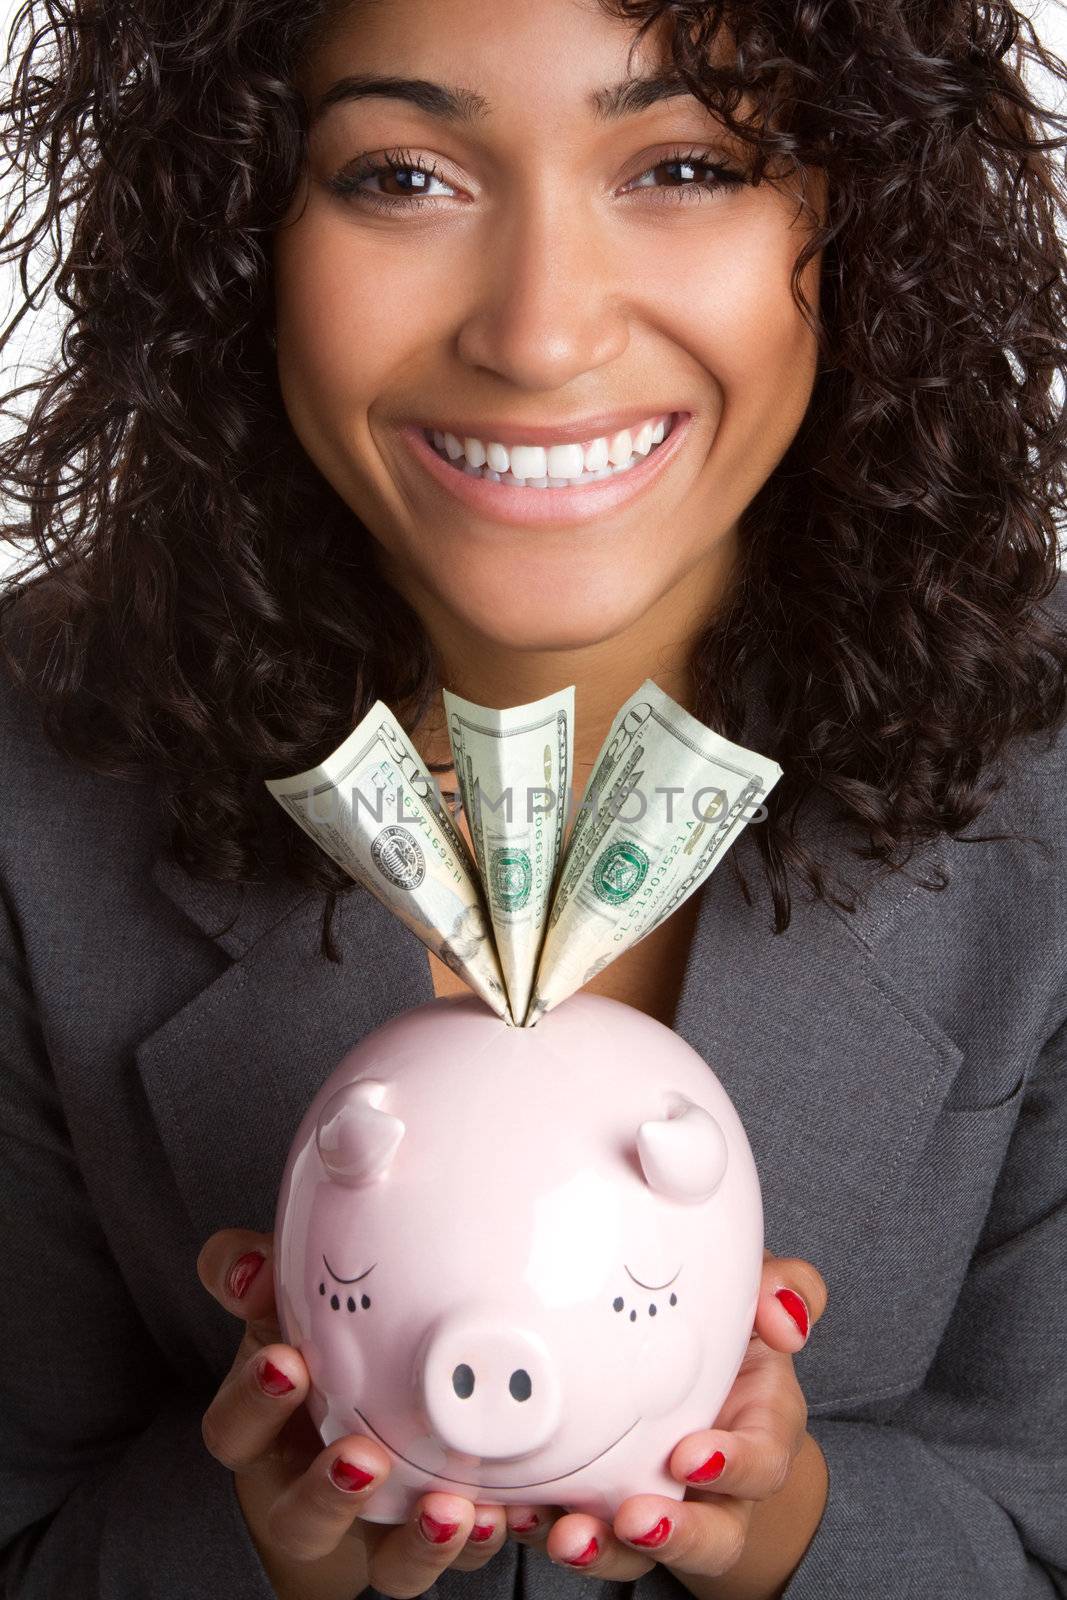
[659,644]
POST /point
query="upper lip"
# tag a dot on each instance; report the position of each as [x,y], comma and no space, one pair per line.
[577,432]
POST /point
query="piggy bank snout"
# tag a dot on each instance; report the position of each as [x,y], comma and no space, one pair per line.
[490,1387]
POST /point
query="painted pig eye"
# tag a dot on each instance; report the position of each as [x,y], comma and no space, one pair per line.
[619,1304]
[350,1302]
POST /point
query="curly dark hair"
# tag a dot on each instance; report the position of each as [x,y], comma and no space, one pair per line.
[202,602]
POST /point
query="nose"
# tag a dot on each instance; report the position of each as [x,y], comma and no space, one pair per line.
[490,1388]
[548,298]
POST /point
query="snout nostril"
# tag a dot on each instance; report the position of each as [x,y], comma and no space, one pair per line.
[519,1384]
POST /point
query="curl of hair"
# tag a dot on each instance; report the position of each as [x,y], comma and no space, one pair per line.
[202,605]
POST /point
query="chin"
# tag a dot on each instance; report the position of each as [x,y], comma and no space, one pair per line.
[547,621]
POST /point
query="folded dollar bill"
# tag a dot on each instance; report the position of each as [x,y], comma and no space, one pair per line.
[529,915]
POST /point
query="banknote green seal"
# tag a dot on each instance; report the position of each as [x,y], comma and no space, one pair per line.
[619,872]
[511,875]
[398,856]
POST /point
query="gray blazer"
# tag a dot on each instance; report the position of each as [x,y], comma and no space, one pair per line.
[901,1072]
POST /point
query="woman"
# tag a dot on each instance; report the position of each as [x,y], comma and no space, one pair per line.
[332,272]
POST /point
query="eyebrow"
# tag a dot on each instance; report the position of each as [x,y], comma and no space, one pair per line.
[451,103]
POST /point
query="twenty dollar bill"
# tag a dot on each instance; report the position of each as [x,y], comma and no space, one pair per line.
[376,810]
[666,799]
[513,770]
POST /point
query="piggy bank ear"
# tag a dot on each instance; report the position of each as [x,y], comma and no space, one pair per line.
[356,1141]
[683,1155]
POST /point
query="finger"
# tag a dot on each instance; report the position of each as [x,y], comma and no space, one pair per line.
[586,1544]
[705,1537]
[488,1532]
[241,1425]
[793,1296]
[315,1511]
[237,1267]
[412,1555]
[765,1391]
[751,1462]
[532,1524]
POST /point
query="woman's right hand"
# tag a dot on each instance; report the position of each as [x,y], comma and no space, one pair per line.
[305,1525]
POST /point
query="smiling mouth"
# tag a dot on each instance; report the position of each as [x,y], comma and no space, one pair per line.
[476,1483]
[559,466]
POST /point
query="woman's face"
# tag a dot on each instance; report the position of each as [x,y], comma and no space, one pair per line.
[568,266]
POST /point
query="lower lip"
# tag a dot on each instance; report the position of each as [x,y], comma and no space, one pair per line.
[557,508]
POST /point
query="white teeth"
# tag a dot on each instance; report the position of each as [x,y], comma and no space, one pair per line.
[565,461]
[527,461]
[556,466]
[620,448]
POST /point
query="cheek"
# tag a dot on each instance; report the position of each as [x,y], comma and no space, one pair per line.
[352,310]
[730,306]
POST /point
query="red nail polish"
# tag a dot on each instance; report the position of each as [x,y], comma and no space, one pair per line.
[657,1535]
[436,1532]
[590,1553]
[796,1308]
[273,1380]
[348,1477]
[480,1532]
[242,1273]
[710,1469]
[525,1527]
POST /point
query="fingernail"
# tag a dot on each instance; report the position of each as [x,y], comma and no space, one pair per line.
[525,1527]
[657,1535]
[480,1532]
[796,1308]
[349,1477]
[242,1272]
[590,1553]
[273,1380]
[436,1532]
[710,1469]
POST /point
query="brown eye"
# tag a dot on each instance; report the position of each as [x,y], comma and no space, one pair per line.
[403,180]
[692,171]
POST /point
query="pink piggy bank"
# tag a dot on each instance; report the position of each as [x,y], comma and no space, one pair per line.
[526,1260]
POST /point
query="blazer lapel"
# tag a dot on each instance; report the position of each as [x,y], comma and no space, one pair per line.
[837,1077]
[230,1075]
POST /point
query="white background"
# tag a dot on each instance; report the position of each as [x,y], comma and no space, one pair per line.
[36,337]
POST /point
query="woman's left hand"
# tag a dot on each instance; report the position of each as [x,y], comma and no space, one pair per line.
[753,1453]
